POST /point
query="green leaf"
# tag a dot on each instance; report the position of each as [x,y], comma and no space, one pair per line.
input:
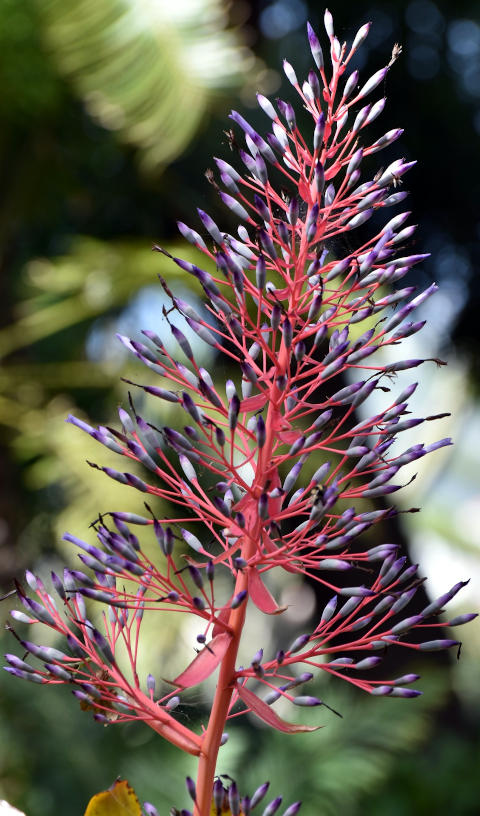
[145,70]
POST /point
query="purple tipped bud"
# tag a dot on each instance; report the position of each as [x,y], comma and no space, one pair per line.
[272,808]
[373,83]
[290,73]
[360,37]
[350,85]
[440,602]
[263,506]
[405,679]
[406,624]
[460,619]
[381,691]
[315,47]
[260,431]
[259,794]
[288,113]
[218,795]
[359,219]
[151,683]
[319,132]
[191,788]
[238,599]
[210,226]
[33,677]
[298,643]
[187,468]
[354,162]
[293,809]
[266,106]
[150,810]
[233,411]
[190,234]
[437,645]
[103,645]
[405,692]
[306,700]
[234,799]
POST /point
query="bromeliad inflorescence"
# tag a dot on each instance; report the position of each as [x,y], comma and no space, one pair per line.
[284,312]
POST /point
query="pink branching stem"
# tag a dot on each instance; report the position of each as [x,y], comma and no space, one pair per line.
[264,473]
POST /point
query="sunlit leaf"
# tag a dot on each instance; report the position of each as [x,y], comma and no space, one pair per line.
[146,70]
[119,800]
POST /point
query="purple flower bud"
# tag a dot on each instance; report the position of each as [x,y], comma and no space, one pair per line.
[234,799]
[17,663]
[440,602]
[290,73]
[196,576]
[259,794]
[233,412]
[272,808]
[267,243]
[403,600]
[263,506]
[287,332]
[266,106]
[190,234]
[33,677]
[350,85]
[298,643]
[405,625]
[288,113]
[372,83]
[211,227]
[391,573]
[103,645]
[150,810]
[367,663]
[306,700]
[437,645]
[315,47]
[238,599]
[293,809]
[360,37]
[191,788]
[361,118]
[359,219]
[461,619]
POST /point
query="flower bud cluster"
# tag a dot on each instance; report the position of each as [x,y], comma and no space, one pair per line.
[294,471]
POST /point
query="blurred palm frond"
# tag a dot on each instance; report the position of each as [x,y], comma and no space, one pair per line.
[146,69]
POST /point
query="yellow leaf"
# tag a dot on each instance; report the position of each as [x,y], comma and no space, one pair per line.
[119,800]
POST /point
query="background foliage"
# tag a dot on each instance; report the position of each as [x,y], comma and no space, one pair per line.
[109,112]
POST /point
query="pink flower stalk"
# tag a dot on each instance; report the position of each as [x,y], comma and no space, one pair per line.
[283,312]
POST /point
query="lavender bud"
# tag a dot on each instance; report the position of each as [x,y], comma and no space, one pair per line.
[293,809]
[372,83]
[436,645]
[238,599]
[266,106]
[234,799]
[272,808]
[460,619]
[191,788]
[298,643]
[103,645]
[259,794]
[261,432]
[211,227]
[405,625]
